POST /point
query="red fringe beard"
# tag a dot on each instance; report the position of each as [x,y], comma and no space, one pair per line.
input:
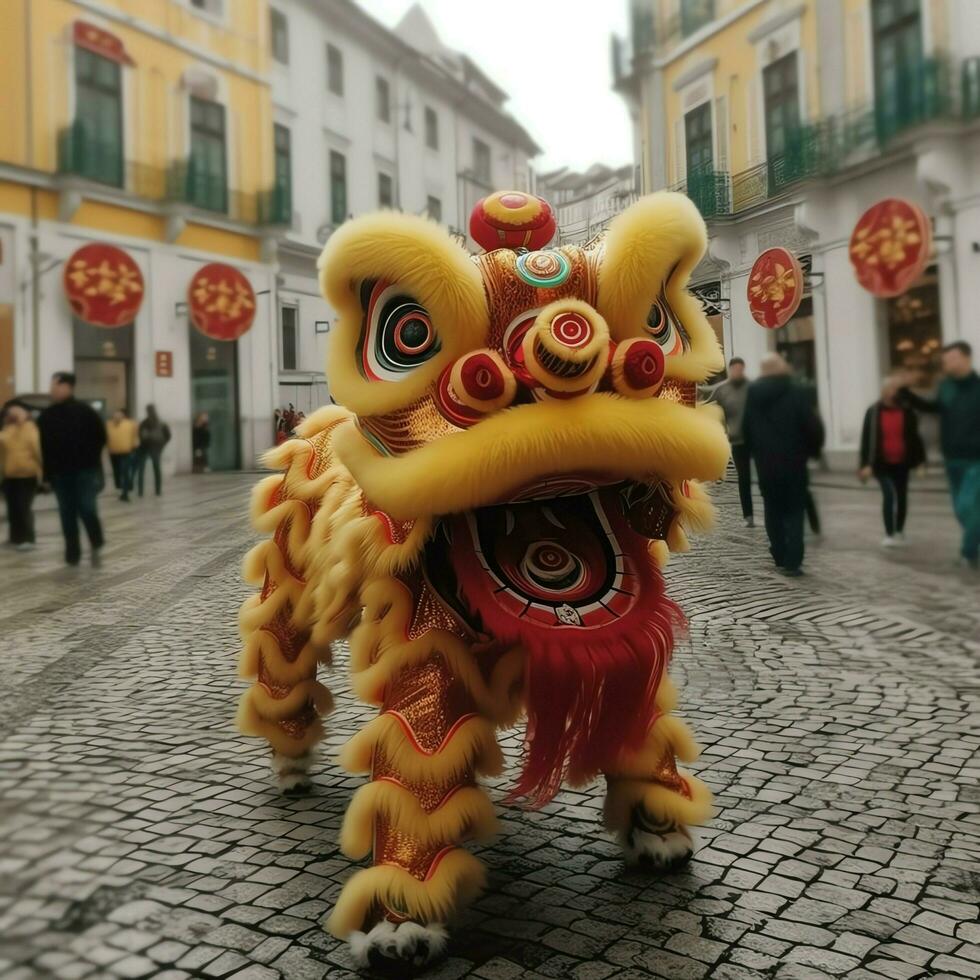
[589,691]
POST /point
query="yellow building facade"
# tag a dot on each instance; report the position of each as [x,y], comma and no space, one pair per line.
[144,125]
[784,120]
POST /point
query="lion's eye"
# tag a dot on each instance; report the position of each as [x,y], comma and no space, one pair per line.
[397,335]
[657,322]
[662,327]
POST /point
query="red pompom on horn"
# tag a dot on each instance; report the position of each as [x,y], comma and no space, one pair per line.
[512,219]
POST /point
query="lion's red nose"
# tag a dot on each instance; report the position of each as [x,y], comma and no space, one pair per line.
[638,368]
[567,346]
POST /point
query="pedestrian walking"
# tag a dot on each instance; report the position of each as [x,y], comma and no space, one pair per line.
[782,432]
[72,439]
[957,403]
[731,395]
[20,450]
[891,448]
[201,442]
[123,437]
[154,435]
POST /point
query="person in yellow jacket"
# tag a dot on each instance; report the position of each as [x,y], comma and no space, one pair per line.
[20,449]
[123,437]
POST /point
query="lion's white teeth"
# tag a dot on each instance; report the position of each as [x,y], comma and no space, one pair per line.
[509,521]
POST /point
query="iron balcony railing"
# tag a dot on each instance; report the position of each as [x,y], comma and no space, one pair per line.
[709,189]
[928,92]
[82,154]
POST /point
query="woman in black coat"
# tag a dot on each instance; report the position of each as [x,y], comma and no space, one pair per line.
[891,448]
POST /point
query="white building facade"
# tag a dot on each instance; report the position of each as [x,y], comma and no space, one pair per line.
[369,118]
[585,203]
[785,121]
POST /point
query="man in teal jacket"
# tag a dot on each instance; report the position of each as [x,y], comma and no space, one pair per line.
[957,403]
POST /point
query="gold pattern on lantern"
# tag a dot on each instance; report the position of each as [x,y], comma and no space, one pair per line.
[775,287]
[888,245]
[116,282]
[222,299]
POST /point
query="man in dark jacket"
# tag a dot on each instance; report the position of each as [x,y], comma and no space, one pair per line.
[957,403]
[782,431]
[72,439]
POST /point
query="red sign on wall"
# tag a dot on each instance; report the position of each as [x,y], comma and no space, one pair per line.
[164,360]
[775,288]
[104,286]
[221,302]
[890,246]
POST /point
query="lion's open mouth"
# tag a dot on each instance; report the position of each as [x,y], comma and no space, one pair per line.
[568,560]
[571,580]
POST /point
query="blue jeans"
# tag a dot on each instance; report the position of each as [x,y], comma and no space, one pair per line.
[77,494]
[964,485]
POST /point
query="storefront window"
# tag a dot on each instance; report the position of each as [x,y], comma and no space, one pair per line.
[915,331]
[796,343]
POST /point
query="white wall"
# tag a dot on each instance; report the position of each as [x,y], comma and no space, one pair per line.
[320,121]
[166,270]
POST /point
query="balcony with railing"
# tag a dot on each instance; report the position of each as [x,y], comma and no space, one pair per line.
[83,155]
[930,92]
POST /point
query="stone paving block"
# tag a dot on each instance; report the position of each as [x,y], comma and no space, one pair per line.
[835,733]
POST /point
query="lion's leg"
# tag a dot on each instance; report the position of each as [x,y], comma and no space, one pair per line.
[285,702]
[424,753]
[650,805]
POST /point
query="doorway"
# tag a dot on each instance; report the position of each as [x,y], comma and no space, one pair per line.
[914,342]
[104,366]
[214,389]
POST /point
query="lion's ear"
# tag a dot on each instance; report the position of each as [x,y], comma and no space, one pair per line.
[410,301]
[649,252]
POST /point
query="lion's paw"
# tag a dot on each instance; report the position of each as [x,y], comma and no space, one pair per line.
[292,774]
[393,948]
[664,846]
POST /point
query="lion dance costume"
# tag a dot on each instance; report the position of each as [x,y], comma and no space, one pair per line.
[486,518]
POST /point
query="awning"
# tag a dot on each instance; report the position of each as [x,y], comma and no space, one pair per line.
[100,42]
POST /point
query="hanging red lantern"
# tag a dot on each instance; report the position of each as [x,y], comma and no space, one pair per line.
[890,246]
[775,288]
[221,302]
[103,285]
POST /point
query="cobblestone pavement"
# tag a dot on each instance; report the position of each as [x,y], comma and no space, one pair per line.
[140,836]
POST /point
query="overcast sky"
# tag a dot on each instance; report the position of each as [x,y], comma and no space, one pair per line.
[552,58]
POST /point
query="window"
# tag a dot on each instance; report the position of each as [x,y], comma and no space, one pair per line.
[431,128]
[433,208]
[695,14]
[279,35]
[213,7]
[207,177]
[386,195]
[287,320]
[335,70]
[283,203]
[780,83]
[481,161]
[96,145]
[697,139]
[900,82]
[382,99]
[338,188]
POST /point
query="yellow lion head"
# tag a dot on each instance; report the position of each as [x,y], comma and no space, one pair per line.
[516,375]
